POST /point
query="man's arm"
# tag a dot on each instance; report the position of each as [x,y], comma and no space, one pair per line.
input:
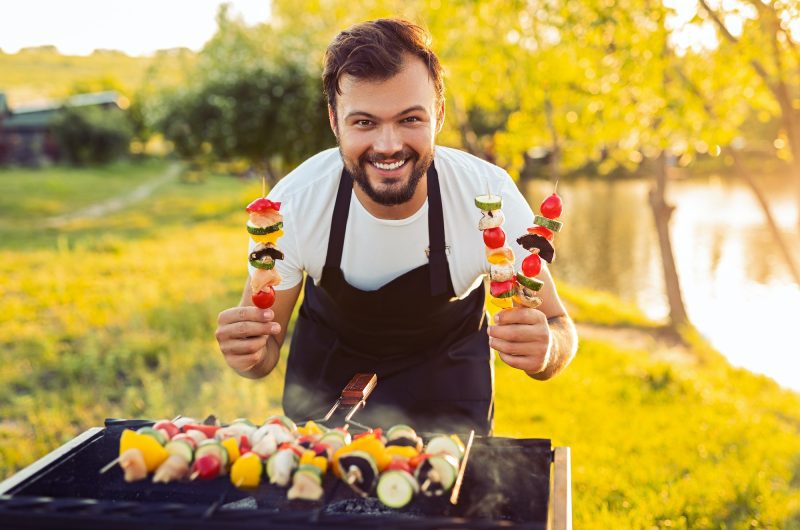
[563,346]
[250,338]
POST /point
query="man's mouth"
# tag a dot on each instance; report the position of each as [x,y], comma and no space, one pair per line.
[389,166]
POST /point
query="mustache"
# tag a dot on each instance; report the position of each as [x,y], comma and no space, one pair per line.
[403,154]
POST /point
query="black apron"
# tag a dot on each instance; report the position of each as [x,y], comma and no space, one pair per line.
[429,349]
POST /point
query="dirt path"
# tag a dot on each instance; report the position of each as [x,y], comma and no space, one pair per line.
[116,203]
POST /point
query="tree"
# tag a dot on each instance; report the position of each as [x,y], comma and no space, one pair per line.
[769,48]
[92,135]
[250,101]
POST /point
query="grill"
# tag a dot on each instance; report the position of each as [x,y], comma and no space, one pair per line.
[507,483]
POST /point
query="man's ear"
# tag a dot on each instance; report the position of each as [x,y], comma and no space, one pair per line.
[440,117]
[332,120]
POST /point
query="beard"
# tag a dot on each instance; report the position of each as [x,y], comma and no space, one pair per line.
[395,194]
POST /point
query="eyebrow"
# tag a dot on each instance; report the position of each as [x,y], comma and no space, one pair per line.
[415,108]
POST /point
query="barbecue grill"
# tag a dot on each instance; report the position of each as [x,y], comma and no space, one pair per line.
[507,483]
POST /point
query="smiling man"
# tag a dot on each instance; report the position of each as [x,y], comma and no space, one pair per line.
[385,232]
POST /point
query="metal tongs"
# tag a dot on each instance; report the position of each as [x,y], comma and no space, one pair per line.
[355,395]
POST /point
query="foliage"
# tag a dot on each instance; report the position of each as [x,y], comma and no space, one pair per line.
[256,113]
[92,135]
[115,305]
[252,99]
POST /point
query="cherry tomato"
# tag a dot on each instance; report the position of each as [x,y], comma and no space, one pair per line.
[398,464]
[321,449]
[551,206]
[168,426]
[499,288]
[494,237]
[207,466]
[244,445]
[262,204]
[208,430]
[415,461]
[541,231]
[532,265]
[264,299]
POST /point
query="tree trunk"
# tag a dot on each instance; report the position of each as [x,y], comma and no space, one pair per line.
[661,214]
[742,171]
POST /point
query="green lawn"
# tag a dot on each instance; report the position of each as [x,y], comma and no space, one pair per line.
[114,317]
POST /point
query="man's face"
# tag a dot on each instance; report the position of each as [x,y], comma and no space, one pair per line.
[386,131]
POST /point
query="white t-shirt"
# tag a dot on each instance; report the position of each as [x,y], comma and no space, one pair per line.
[378,250]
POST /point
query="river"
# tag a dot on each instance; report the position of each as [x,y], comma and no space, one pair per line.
[736,286]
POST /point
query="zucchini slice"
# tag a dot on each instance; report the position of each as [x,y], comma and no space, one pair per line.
[531,283]
[396,488]
[263,230]
[181,448]
[445,445]
[488,203]
[550,224]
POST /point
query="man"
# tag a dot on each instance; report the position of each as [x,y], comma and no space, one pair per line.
[386,232]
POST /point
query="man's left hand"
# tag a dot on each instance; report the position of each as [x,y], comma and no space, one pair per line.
[521,337]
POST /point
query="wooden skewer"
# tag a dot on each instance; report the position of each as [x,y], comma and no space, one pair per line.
[108,466]
[263,186]
[425,485]
[460,477]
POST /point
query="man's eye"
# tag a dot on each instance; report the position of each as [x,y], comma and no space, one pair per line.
[412,119]
[363,123]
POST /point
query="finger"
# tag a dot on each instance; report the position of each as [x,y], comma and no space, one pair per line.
[245,329]
[244,348]
[509,347]
[520,315]
[519,332]
[529,364]
[243,363]
[251,313]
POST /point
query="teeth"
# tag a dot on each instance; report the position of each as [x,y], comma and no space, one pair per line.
[389,167]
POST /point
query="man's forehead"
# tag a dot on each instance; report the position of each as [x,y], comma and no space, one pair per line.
[411,87]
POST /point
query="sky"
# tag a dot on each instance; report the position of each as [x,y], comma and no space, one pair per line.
[78,27]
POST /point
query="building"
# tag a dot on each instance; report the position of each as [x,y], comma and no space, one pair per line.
[26,135]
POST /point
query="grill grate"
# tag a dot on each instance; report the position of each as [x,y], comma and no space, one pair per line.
[506,485]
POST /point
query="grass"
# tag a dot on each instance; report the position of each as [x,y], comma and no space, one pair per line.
[114,317]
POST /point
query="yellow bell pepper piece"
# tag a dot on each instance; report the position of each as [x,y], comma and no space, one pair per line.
[153,452]
[310,457]
[310,428]
[267,238]
[497,259]
[246,471]
[377,451]
[502,303]
[321,462]
[403,452]
[232,446]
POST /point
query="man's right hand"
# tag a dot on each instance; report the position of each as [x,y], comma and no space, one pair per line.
[242,334]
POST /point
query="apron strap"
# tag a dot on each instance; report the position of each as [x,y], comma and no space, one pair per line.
[341,209]
[437,257]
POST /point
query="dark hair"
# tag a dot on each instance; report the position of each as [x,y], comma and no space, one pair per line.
[374,51]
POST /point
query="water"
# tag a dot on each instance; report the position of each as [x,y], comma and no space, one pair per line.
[736,286]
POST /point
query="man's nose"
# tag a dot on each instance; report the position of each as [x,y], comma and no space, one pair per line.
[389,140]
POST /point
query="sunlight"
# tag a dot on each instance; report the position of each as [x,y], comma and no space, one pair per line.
[79,27]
